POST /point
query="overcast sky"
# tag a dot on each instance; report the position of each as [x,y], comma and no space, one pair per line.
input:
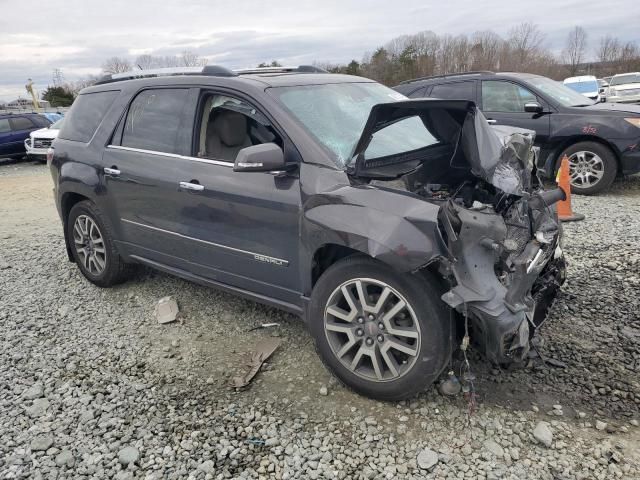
[78,35]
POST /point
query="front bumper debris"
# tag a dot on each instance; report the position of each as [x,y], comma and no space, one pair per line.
[506,273]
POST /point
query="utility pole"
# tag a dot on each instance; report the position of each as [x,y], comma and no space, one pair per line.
[58,77]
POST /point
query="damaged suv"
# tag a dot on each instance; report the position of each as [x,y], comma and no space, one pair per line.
[397,229]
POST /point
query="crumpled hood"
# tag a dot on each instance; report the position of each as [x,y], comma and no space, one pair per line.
[502,157]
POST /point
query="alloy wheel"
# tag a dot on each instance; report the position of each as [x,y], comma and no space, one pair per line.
[585,169]
[89,244]
[372,329]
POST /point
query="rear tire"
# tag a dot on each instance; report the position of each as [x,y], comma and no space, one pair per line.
[92,246]
[383,350]
[593,167]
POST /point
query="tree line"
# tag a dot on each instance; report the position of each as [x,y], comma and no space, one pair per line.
[522,50]
[425,53]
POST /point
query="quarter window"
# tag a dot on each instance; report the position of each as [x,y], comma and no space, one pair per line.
[40,121]
[85,115]
[498,96]
[4,125]
[20,123]
[154,119]
[454,91]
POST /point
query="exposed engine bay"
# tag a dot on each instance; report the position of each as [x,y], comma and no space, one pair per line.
[505,263]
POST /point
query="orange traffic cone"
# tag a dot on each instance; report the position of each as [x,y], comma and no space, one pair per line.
[565,213]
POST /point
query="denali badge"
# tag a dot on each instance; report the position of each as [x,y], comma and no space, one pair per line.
[275,261]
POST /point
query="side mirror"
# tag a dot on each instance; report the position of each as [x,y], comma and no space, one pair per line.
[265,157]
[533,107]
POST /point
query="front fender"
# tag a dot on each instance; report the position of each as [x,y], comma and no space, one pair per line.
[398,229]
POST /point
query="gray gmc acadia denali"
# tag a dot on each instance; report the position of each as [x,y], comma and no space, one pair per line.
[397,229]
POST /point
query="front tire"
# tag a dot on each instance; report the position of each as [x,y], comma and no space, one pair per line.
[592,167]
[384,334]
[92,246]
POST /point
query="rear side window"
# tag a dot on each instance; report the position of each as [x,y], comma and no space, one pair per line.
[40,121]
[85,115]
[454,91]
[153,121]
[20,123]
[420,93]
[4,125]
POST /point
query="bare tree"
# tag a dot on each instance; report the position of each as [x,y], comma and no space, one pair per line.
[616,57]
[190,59]
[485,50]
[446,54]
[145,61]
[524,42]
[116,65]
[608,49]
[629,58]
[574,52]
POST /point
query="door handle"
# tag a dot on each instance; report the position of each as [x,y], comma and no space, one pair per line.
[491,121]
[195,187]
[114,172]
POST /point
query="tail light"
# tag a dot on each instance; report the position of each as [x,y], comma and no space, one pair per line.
[49,155]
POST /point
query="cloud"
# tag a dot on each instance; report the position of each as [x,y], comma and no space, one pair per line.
[78,38]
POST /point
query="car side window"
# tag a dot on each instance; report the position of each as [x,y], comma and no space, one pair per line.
[154,120]
[500,96]
[419,93]
[87,111]
[228,124]
[4,125]
[40,121]
[20,123]
[454,91]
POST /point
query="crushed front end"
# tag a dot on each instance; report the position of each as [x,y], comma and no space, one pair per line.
[506,268]
[505,264]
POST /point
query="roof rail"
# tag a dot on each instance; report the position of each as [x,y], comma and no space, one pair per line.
[478,72]
[298,69]
[209,70]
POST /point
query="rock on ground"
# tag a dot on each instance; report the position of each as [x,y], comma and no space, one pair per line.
[128,455]
[427,459]
[543,434]
[114,379]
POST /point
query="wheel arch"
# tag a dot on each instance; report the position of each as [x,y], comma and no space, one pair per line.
[67,201]
[555,158]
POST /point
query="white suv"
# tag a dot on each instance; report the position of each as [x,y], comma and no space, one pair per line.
[39,141]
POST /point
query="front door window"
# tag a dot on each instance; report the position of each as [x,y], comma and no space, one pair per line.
[499,96]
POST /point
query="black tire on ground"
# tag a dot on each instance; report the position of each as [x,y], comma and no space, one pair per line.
[115,269]
[422,293]
[608,161]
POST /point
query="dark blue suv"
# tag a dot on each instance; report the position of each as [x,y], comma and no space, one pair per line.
[15,128]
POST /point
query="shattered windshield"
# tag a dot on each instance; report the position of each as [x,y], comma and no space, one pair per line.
[335,114]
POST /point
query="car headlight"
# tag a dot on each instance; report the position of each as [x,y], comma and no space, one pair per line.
[635,121]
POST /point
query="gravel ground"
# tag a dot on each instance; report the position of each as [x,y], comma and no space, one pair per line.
[92,387]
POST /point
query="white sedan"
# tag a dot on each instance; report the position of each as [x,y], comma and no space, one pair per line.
[39,141]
